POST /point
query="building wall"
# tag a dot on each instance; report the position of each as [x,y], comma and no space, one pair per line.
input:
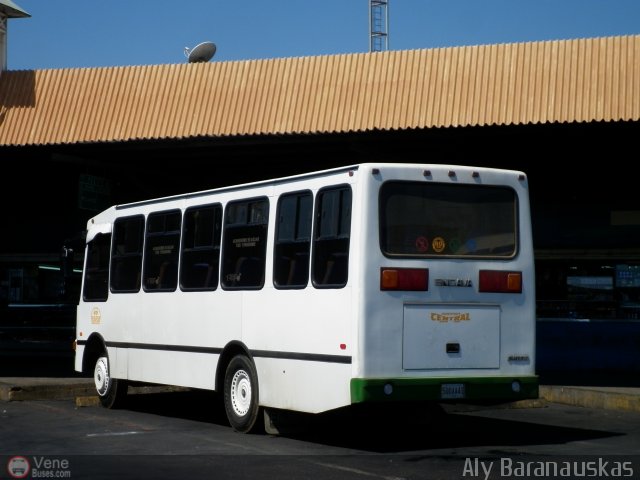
[579,187]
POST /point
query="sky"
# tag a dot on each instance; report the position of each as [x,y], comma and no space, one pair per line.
[90,33]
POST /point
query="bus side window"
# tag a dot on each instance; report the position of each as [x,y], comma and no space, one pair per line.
[201,234]
[126,254]
[96,276]
[293,240]
[245,244]
[331,237]
[161,251]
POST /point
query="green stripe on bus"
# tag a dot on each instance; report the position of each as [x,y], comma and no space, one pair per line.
[417,389]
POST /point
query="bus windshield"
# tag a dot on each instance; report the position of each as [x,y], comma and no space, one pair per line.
[434,219]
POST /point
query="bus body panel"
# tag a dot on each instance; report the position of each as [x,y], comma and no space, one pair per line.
[450,336]
[307,386]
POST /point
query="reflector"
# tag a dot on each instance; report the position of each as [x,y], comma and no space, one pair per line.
[496,281]
[409,279]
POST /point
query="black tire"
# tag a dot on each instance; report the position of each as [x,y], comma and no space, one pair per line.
[241,394]
[111,391]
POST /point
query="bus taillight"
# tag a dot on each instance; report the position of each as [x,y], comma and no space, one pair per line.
[410,279]
[497,281]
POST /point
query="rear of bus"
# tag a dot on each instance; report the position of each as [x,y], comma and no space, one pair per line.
[448,299]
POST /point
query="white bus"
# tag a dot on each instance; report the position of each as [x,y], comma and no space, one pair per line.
[367,283]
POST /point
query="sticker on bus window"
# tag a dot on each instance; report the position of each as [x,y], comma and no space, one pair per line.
[438,244]
[471,245]
[245,242]
[454,244]
[422,244]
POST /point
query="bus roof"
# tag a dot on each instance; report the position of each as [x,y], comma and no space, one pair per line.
[306,175]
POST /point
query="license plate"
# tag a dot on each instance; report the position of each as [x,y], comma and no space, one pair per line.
[452,390]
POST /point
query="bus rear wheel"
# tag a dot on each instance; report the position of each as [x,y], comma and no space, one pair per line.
[241,394]
[111,391]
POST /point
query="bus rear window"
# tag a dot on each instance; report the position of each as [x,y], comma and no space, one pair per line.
[434,219]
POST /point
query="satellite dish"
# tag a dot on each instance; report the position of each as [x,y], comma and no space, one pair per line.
[203,52]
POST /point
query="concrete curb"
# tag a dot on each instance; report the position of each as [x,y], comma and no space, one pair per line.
[88,401]
[608,398]
[80,389]
[44,388]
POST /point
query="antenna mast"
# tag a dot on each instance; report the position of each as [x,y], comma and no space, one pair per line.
[378,25]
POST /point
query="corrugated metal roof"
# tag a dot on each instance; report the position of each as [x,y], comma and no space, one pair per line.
[12,10]
[553,81]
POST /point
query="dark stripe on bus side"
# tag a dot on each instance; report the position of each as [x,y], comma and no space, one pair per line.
[309,357]
[164,348]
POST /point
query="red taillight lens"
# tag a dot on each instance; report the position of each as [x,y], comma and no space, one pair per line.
[410,279]
[497,281]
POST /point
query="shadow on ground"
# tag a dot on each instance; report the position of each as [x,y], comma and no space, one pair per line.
[378,430]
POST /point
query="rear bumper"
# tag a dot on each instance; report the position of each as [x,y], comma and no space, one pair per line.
[431,389]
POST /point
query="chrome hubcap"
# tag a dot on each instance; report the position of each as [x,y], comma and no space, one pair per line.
[101,376]
[240,393]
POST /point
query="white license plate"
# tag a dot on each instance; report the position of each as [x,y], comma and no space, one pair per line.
[452,390]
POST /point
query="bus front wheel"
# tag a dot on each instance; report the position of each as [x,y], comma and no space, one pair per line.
[241,394]
[111,391]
